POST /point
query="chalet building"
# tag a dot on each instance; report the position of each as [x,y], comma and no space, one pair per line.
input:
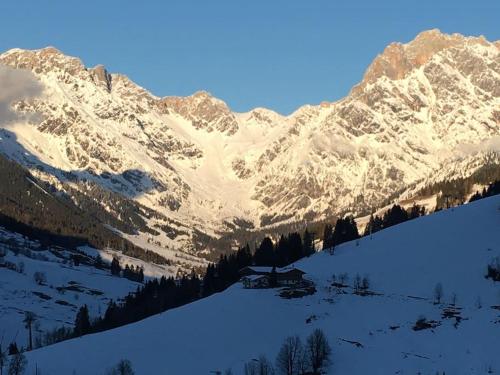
[255,281]
[260,277]
[290,277]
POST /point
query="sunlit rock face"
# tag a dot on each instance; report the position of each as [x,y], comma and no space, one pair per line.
[424,111]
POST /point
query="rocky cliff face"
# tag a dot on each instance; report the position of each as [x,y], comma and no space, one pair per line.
[421,108]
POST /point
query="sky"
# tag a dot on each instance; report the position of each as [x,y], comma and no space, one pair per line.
[278,54]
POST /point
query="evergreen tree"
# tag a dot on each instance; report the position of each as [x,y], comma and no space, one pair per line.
[282,255]
[327,237]
[13,348]
[264,255]
[374,225]
[295,248]
[273,278]
[416,211]
[82,321]
[345,230]
[395,215]
[115,267]
[308,244]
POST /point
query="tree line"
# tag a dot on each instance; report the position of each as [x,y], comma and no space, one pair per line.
[39,211]
[395,215]
[489,191]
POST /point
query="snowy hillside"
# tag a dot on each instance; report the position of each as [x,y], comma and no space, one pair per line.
[403,263]
[424,111]
[63,288]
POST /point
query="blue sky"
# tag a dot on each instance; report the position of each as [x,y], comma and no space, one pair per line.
[278,54]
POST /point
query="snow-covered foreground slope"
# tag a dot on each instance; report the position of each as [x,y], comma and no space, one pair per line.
[66,288]
[404,263]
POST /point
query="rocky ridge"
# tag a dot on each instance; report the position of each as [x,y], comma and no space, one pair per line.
[421,109]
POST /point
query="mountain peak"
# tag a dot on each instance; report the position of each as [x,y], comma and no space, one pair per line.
[398,59]
[42,60]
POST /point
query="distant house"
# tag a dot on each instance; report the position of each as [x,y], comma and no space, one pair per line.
[260,277]
[255,281]
[291,276]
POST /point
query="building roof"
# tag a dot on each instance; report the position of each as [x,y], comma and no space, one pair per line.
[260,269]
[254,277]
[265,270]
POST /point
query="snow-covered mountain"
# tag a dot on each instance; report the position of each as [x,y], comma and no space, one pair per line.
[404,263]
[424,111]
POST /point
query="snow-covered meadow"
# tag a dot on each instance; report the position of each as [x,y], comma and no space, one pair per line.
[403,263]
[56,300]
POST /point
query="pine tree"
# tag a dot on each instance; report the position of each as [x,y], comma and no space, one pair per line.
[264,255]
[13,348]
[273,278]
[327,237]
[345,230]
[295,247]
[374,225]
[115,267]
[282,256]
[82,321]
[308,244]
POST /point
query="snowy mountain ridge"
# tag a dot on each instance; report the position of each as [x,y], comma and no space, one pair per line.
[424,110]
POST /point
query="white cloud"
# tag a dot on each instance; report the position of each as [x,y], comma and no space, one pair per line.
[491,144]
[15,84]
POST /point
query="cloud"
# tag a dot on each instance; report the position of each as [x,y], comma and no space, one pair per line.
[491,144]
[15,84]
[329,142]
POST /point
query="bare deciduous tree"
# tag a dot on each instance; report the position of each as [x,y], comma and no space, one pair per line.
[317,351]
[124,367]
[365,283]
[29,319]
[343,278]
[40,277]
[290,357]
[438,293]
[454,299]
[260,366]
[357,283]
[265,367]
[251,368]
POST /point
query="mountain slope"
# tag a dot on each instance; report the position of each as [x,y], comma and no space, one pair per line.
[404,263]
[425,111]
[68,285]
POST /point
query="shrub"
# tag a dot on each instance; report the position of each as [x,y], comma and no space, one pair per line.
[40,277]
